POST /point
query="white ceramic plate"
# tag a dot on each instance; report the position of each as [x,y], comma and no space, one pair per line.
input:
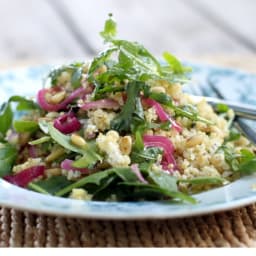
[233,84]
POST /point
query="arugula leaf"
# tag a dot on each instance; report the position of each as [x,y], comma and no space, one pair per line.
[98,61]
[167,101]
[43,125]
[131,61]
[233,135]
[243,162]
[131,111]
[147,190]
[74,69]
[247,162]
[164,180]
[109,31]
[204,181]
[173,62]
[25,126]
[8,155]
[248,167]
[147,154]
[6,112]
[6,116]
[231,157]
[63,140]
[96,178]
[221,108]
[76,77]
[24,104]
[50,185]
[40,140]
[88,160]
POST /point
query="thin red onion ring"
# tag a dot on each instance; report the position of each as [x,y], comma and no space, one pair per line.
[80,92]
[162,115]
[67,123]
[67,165]
[103,103]
[166,145]
[135,169]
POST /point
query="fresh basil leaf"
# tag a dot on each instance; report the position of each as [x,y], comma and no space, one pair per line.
[6,117]
[8,155]
[25,126]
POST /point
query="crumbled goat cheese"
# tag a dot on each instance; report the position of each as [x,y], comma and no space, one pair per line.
[101,118]
[109,144]
[80,194]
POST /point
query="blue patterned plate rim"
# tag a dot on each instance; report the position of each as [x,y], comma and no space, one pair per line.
[26,81]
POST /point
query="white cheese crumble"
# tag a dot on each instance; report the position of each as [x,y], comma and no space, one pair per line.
[109,144]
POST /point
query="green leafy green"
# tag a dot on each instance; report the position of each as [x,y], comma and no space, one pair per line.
[233,135]
[63,140]
[8,155]
[167,101]
[109,31]
[75,70]
[131,112]
[147,154]
[173,62]
[96,178]
[164,180]
[24,104]
[40,140]
[130,61]
[243,162]
[221,108]
[90,156]
[7,112]
[247,162]
[88,160]
[204,181]
[25,126]
[6,116]
[50,185]
[148,191]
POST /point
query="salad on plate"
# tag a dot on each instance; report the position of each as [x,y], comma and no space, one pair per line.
[119,128]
